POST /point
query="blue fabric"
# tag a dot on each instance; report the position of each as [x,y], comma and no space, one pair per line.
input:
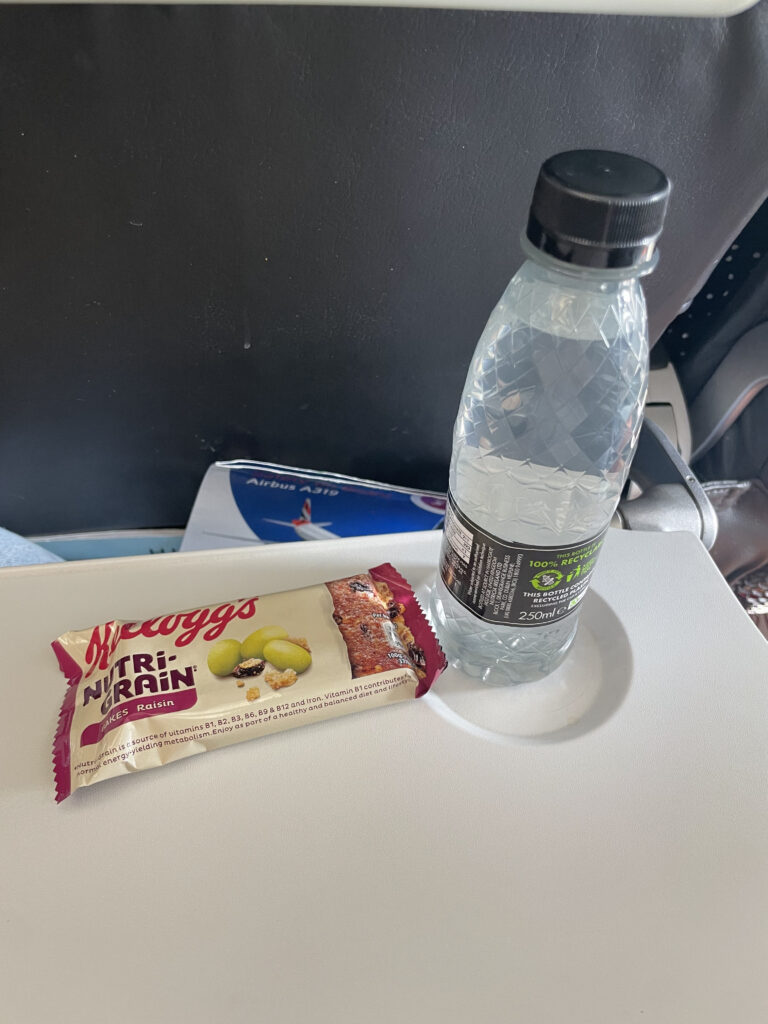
[15,550]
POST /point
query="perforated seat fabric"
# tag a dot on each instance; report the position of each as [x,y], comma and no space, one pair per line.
[733,301]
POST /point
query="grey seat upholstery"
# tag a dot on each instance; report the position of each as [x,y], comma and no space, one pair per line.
[720,348]
[277,232]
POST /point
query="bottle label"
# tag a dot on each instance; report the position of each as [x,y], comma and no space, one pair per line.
[513,584]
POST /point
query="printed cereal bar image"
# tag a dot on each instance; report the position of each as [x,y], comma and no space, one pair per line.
[284,658]
[373,627]
[277,680]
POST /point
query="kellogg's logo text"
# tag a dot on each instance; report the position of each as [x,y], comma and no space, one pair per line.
[207,623]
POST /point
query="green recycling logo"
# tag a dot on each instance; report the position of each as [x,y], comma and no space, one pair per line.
[547,579]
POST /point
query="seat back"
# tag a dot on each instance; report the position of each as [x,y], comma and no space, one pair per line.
[277,233]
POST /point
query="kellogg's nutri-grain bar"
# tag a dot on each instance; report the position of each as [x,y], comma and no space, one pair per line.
[142,694]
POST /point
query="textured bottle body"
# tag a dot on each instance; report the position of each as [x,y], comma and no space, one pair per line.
[544,437]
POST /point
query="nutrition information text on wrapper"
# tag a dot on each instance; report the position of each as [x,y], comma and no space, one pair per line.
[513,584]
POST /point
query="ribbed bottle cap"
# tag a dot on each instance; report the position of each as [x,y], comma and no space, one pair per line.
[595,208]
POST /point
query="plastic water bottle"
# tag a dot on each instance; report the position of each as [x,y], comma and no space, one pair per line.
[549,419]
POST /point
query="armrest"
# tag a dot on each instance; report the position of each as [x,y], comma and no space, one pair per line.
[672,497]
[741,375]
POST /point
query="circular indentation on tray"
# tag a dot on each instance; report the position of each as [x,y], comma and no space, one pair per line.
[585,691]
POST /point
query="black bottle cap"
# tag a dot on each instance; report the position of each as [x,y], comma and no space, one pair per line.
[594,208]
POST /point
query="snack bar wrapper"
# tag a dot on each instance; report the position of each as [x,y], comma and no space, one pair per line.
[141,694]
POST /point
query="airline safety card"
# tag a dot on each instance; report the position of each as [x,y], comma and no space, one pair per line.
[246,502]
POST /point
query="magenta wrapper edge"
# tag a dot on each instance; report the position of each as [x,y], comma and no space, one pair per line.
[61,754]
[416,621]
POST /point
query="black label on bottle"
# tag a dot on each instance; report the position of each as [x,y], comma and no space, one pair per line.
[513,584]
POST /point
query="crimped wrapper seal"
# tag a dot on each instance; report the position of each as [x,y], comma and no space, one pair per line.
[143,694]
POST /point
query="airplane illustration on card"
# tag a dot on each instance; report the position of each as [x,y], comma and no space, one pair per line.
[304,527]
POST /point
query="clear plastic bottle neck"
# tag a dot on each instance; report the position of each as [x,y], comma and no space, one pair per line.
[556,266]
